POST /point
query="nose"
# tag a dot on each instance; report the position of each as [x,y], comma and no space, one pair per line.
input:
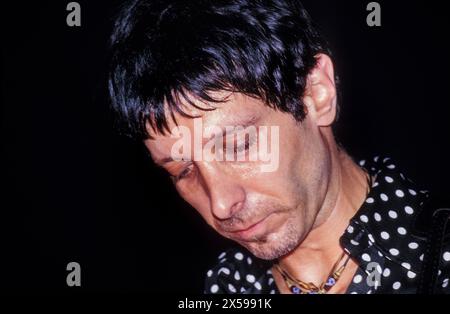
[225,193]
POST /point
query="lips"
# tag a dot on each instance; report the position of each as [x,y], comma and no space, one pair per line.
[251,230]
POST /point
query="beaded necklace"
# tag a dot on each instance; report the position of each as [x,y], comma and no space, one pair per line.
[297,286]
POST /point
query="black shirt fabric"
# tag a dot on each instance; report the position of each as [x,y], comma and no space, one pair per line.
[379,238]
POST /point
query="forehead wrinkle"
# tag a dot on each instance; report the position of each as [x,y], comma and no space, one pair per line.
[231,112]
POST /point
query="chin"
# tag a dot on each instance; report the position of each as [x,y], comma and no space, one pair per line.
[274,245]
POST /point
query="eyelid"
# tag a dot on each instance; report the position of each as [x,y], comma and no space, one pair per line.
[179,176]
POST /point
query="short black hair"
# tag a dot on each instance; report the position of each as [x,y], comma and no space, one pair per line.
[166,50]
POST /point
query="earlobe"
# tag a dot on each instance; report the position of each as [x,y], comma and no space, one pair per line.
[320,94]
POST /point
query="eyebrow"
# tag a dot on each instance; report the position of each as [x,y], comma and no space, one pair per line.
[162,161]
[244,124]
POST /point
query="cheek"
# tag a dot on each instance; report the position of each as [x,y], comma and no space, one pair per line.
[198,200]
[316,169]
[304,162]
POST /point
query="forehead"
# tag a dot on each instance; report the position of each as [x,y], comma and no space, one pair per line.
[236,109]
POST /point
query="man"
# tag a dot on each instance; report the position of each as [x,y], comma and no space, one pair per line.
[317,222]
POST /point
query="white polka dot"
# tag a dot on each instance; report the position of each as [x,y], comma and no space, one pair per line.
[369,200]
[411,274]
[377,217]
[222,255]
[354,242]
[384,197]
[239,256]
[446,256]
[399,193]
[406,265]
[366,257]
[394,252]
[371,238]
[388,179]
[223,270]
[350,229]
[231,288]
[357,279]
[391,166]
[386,159]
[412,192]
[214,288]
[353,292]
[376,158]
[396,285]
[209,273]
[270,281]
[237,276]
[364,218]
[223,260]
[386,272]
[409,210]
[250,278]
[384,235]
[392,214]
[362,163]
[258,286]
[413,245]
[445,283]
[401,230]
[242,289]
[421,257]
[272,291]
[249,260]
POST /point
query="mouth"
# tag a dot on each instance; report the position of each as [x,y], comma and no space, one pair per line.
[252,231]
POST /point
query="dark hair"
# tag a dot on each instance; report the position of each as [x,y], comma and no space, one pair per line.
[165,50]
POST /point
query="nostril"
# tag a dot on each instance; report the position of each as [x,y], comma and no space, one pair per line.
[221,211]
[226,200]
[226,206]
[236,207]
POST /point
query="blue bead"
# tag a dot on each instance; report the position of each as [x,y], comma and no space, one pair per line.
[330,282]
[295,290]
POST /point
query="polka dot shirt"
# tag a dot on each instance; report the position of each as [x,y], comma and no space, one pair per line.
[379,237]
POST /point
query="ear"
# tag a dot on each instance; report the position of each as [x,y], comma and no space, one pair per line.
[320,93]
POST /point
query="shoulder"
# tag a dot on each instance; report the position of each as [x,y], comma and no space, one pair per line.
[443,285]
[437,257]
[238,271]
[396,220]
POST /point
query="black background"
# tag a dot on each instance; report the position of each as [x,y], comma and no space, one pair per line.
[74,190]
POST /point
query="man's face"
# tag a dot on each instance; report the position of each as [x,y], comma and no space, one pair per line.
[268,212]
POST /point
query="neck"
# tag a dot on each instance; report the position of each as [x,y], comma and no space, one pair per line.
[313,259]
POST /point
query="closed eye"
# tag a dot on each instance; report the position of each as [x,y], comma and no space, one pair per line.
[185,173]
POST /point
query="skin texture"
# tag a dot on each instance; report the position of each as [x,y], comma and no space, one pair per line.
[295,214]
